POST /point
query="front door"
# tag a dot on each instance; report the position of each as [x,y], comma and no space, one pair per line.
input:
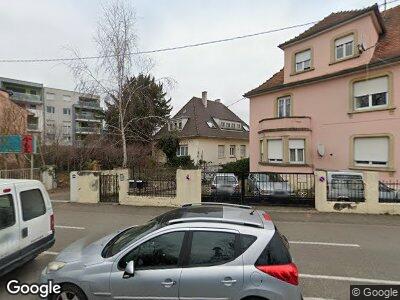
[213,270]
[157,269]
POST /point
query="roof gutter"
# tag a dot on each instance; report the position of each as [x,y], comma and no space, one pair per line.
[374,65]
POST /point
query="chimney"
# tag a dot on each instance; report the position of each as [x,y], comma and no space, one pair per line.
[204,98]
[218,100]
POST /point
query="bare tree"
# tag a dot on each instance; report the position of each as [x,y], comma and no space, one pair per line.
[107,76]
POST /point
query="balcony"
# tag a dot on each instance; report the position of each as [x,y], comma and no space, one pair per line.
[33,127]
[87,130]
[22,97]
[89,105]
[88,117]
[285,124]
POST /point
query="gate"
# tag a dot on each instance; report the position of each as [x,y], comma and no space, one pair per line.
[288,189]
[109,188]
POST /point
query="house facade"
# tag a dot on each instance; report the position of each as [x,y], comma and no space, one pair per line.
[209,132]
[335,103]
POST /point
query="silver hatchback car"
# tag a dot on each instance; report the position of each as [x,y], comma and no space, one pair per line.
[200,251]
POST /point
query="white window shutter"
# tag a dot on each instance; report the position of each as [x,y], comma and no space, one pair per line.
[371,86]
[344,40]
[275,149]
[303,56]
[371,149]
[296,144]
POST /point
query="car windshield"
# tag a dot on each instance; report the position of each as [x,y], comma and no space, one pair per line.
[124,238]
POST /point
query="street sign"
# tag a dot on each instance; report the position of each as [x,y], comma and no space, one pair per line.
[10,144]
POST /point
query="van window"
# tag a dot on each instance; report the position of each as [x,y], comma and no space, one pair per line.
[32,203]
[7,212]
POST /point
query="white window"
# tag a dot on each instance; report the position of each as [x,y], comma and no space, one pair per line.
[49,96]
[221,151]
[275,151]
[284,107]
[232,150]
[303,60]
[50,109]
[182,150]
[344,47]
[371,93]
[66,111]
[242,151]
[371,151]
[296,151]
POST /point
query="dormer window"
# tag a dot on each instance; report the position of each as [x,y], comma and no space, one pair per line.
[344,47]
[177,124]
[303,61]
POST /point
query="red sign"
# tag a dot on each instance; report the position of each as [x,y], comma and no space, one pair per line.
[27,144]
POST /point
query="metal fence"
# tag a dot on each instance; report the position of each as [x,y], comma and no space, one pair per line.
[345,190]
[389,191]
[156,182]
[259,188]
[20,174]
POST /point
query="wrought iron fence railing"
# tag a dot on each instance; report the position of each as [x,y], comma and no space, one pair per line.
[156,182]
[20,174]
[346,190]
[389,191]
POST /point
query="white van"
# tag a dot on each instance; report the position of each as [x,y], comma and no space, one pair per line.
[26,222]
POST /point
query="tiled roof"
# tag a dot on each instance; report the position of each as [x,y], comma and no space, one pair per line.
[387,47]
[198,115]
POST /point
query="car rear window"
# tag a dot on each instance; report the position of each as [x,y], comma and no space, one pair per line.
[7,213]
[276,252]
[32,203]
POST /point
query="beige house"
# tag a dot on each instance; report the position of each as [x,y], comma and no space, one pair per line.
[209,132]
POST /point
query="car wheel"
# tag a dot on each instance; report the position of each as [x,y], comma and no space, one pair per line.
[69,292]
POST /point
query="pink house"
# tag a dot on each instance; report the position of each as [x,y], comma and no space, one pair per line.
[336,103]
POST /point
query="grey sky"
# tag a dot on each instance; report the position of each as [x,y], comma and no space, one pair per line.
[44,28]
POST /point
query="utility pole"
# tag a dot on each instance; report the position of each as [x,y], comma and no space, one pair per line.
[384,5]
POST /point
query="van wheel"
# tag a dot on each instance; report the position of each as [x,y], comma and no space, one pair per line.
[70,292]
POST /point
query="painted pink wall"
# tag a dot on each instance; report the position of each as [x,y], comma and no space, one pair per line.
[321,45]
[327,104]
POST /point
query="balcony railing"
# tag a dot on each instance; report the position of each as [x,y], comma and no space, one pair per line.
[285,124]
[88,104]
[26,97]
[33,126]
[87,130]
[90,117]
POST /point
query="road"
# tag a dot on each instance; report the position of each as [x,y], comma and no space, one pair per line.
[332,251]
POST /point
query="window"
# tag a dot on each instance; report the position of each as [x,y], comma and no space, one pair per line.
[371,151]
[221,151]
[7,213]
[66,111]
[344,47]
[66,98]
[275,253]
[49,96]
[50,109]
[32,203]
[303,60]
[296,151]
[246,241]
[32,106]
[284,107]
[161,252]
[211,248]
[275,153]
[182,150]
[261,148]
[242,150]
[232,150]
[210,124]
[371,93]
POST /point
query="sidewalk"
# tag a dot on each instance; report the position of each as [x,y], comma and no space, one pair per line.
[60,195]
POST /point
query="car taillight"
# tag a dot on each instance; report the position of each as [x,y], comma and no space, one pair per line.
[287,273]
[267,217]
[52,224]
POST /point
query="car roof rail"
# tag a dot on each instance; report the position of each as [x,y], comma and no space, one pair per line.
[215,220]
[217,204]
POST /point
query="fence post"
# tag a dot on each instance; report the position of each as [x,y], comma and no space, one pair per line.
[123,185]
[48,178]
[320,191]
[188,186]
[371,192]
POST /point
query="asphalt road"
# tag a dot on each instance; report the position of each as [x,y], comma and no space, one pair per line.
[332,251]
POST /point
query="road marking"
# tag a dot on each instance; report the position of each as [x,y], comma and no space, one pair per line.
[49,253]
[324,244]
[69,227]
[350,279]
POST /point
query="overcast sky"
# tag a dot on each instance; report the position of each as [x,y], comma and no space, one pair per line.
[44,28]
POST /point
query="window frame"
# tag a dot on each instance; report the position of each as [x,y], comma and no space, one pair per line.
[22,206]
[232,149]
[296,161]
[344,47]
[333,51]
[310,60]
[179,150]
[286,98]
[11,198]
[275,161]
[50,109]
[219,154]
[371,107]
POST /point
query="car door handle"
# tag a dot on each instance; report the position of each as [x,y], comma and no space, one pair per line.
[24,232]
[168,283]
[228,281]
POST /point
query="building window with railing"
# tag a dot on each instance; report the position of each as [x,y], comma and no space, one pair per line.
[296,151]
[275,151]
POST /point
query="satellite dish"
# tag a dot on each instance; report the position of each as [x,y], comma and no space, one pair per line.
[321,150]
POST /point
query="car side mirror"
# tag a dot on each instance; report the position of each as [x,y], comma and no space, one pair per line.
[129,270]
